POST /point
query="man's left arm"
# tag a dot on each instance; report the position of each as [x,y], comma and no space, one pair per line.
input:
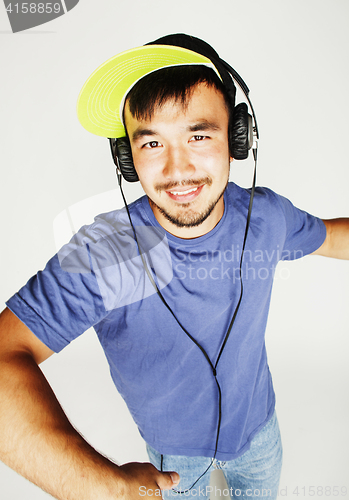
[336,244]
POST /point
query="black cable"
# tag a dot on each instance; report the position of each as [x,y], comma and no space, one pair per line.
[241,258]
[151,278]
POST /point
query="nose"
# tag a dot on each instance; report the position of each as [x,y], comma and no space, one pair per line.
[178,164]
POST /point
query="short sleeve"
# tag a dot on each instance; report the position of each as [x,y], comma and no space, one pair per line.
[57,305]
[304,233]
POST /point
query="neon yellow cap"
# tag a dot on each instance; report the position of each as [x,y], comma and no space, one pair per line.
[101,100]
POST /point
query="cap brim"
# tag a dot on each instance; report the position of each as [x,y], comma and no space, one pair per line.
[101,100]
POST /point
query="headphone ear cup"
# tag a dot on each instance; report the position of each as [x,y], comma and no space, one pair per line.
[124,154]
[241,136]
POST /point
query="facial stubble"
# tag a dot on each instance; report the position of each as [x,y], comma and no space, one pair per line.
[186,216]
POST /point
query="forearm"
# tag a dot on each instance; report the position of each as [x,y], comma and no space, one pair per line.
[38,441]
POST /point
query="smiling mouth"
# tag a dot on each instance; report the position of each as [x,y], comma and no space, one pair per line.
[183,193]
[185,196]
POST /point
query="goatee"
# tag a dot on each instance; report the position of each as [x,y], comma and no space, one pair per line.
[185,216]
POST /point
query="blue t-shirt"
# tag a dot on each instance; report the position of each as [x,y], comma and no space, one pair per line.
[99,280]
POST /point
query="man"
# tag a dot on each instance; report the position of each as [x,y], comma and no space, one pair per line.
[175,286]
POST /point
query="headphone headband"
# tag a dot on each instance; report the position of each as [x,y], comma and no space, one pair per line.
[228,74]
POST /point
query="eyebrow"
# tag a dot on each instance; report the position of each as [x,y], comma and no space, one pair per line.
[203,125]
[141,132]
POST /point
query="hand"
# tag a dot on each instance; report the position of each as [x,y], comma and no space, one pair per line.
[143,480]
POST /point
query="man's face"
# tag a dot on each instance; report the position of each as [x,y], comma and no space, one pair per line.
[181,156]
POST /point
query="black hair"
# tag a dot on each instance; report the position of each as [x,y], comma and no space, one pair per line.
[177,83]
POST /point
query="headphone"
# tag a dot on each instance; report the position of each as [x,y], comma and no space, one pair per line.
[243,129]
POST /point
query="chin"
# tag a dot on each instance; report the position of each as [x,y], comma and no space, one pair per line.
[187,217]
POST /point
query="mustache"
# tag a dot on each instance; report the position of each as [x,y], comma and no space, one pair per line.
[185,182]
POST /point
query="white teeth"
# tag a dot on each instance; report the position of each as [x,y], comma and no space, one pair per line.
[182,193]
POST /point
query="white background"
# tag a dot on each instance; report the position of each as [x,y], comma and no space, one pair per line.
[293,55]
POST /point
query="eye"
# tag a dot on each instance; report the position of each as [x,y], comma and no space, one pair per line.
[198,138]
[152,144]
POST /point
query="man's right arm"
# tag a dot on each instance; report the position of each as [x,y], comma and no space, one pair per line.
[38,441]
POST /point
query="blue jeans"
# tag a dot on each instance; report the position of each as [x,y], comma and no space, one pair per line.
[254,474]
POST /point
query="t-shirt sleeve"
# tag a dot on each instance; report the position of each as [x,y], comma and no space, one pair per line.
[304,233]
[60,303]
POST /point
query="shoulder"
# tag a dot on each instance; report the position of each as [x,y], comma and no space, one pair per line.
[108,223]
[265,199]
[106,240]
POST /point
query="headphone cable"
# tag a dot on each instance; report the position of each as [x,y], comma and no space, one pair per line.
[151,278]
